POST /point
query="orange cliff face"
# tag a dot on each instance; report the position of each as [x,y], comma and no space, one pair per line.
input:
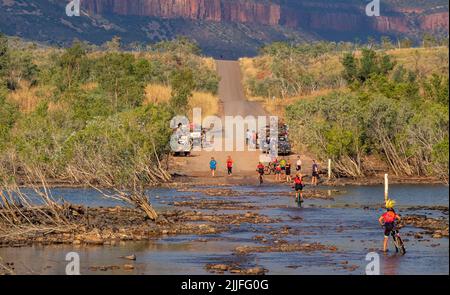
[391,24]
[214,10]
[435,21]
[308,14]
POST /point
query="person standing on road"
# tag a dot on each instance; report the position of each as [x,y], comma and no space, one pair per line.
[230,166]
[213,166]
[277,172]
[283,166]
[315,173]
[288,171]
[298,164]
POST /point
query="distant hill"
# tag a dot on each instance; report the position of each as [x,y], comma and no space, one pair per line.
[227,28]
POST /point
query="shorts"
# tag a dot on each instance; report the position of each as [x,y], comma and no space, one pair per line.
[277,172]
[299,168]
[261,171]
[283,168]
[288,172]
[298,187]
[388,228]
[315,174]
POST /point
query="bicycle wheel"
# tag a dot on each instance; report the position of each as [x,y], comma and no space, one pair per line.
[399,244]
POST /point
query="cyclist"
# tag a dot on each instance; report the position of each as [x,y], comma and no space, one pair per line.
[298,186]
[260,169]
[387,220]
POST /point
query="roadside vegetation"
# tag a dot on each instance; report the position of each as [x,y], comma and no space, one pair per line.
[368,108]
[97,115]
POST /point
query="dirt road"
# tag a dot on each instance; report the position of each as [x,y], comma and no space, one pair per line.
[231,92]
[234,103]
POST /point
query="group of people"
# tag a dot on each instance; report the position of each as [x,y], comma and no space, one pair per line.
[213,166]
[283,167]
[283,170]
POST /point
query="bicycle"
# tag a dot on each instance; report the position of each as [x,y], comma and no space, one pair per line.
[269,169]
[298,200]
[261,174]
[398,242]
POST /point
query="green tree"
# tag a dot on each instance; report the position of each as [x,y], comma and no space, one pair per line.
[72,66]
[370,63]
[436,89]
[4,56]
[119,77]
[183,84]
[350,67]
[8,115]
[386,42]
[181,45]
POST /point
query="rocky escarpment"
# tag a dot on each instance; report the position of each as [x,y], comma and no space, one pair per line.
[214,10]
[314,15]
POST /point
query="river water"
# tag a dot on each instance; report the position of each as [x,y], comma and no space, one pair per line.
[349,222]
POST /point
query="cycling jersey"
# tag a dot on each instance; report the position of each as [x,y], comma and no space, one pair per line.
[389,217]
[298,180]
[260,168]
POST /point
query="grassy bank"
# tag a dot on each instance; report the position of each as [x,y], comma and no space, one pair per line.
[367,109]
[97,115]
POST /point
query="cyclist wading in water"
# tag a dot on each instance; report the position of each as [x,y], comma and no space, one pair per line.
[298,187]
[387,221]
[260,170]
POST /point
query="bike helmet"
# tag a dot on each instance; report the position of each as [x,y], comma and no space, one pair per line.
[390,204]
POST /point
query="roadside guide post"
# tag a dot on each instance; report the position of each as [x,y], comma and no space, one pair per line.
[386,187]
[329,169]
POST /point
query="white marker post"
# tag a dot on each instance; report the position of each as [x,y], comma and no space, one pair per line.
[386,187]
[329,169]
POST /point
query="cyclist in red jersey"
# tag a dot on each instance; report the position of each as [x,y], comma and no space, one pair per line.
[260,169]
[298,186]
[387,220]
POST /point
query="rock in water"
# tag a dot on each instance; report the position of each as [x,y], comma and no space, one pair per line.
[129,257]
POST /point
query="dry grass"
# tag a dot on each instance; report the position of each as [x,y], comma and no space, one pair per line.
[210,63]
[209,103]
[248,67]
[424,61]
[206,101]
[89,86]
[155,93]
[27,98]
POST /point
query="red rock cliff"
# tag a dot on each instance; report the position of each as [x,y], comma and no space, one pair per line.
[434,21]
[216,10]
[314,15]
